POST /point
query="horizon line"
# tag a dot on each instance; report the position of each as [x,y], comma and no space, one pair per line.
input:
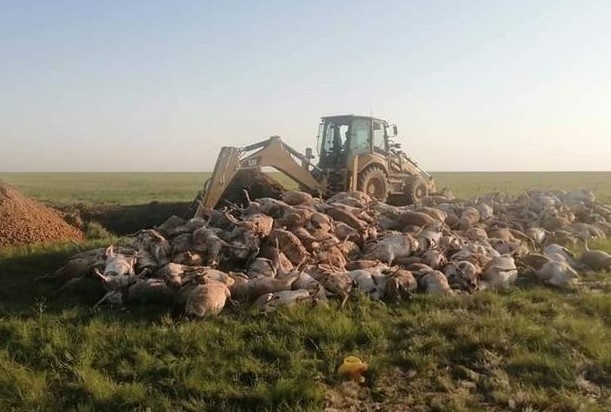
[276,171]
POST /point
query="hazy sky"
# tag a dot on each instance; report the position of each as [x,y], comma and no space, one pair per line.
[162,85]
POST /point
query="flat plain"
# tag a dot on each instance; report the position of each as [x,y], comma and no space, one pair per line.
[525,349]
[138,188]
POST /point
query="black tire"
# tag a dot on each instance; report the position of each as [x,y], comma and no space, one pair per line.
[374,183]
[416,190]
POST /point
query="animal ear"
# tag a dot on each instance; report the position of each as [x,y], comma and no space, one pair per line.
[109,251]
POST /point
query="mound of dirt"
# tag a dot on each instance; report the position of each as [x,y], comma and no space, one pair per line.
[257,184]
[23,220]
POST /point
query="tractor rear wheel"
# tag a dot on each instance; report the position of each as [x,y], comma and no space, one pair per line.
[374,183]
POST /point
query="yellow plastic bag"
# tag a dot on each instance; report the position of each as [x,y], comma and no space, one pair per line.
[353,368]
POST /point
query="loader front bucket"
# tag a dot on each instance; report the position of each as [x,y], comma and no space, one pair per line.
[256,183]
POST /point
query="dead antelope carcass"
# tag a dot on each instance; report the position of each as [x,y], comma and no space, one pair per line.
[469,217]
[269,206]
[153,242]
[365,264]
[295,198]
[410,218]
[595,259]
[261,267]
[290,245]
[558,274]
[500,273]
[533,261]
[188,258]
[258,223]
[336,284]
[559,253]
[392,246]
[331,256]
[118,264]
[400,285]
[347,217]
[463,275]
[253,288]
[205,299]
[207,240]
[371,282]
[434,258]
[118,275]
[433,212]
[150,291]
[435,283]
[270,302]
[74,268]
[172,274]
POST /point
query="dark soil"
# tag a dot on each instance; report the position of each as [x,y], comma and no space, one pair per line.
[123,220]
[257,184]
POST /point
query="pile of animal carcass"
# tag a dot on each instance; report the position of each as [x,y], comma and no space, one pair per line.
[301,250]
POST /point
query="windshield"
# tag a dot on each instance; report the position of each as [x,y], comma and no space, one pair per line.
[341,136]
[359,136]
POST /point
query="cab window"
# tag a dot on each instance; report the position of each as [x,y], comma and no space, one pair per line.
[379,136]
[334,142]
[359,135]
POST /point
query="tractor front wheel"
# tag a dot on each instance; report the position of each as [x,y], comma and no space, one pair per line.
[416,190]
[374,183]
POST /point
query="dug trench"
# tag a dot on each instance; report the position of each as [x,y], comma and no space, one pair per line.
[123,220]
[127,219]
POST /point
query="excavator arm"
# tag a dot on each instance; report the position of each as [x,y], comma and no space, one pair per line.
[269,153]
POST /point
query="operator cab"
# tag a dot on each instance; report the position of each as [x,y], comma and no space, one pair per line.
[342,136]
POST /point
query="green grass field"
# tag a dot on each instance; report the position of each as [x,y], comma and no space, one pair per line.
[138,188]
[530,348]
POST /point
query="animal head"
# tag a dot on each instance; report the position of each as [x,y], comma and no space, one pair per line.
[466,275]
[115,282]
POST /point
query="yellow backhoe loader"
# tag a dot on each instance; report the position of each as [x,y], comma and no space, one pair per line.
[355,153]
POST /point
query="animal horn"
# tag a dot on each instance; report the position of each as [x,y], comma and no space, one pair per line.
[104,298]
[157,235]
[99,274]
[247,196]
[300,265]
[109,251]
[276,260]
[585,241]
[231,218]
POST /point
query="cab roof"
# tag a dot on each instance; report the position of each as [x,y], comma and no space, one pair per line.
[346,118]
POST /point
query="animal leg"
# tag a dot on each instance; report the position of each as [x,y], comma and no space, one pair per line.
[341,306]
[104,298]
